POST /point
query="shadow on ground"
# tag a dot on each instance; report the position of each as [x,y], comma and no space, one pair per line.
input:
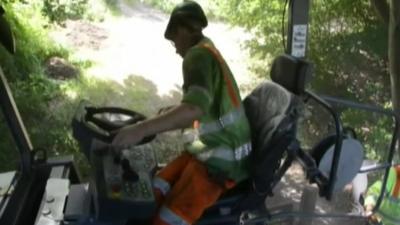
[288,197]
[135,93]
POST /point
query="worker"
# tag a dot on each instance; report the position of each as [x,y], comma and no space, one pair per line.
[388,212]
[218,156]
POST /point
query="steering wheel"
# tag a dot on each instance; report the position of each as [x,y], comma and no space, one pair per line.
[102,123]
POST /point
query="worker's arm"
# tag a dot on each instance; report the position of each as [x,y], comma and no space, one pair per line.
[181,116]
[372,196]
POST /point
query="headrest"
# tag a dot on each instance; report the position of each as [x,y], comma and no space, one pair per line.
[291,73]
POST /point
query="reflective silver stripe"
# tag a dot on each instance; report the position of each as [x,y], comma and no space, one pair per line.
[223,121]
[161,185]
[170,217]
[226,153]
[243,151]
[221,153]
[200,89]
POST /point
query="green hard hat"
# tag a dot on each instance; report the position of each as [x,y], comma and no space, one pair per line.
[187,13]
[6,36]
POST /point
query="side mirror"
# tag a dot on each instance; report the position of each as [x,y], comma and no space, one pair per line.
[6,36]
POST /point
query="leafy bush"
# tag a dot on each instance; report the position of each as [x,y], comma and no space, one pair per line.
[346,43]
[213,9]
[32,41]
[61,10]
[31,89]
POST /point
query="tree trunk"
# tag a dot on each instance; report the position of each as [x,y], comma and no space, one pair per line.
[390,14]
[394,53]
[382,8]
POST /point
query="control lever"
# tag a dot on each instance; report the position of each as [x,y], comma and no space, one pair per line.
[116,159]
[128,173]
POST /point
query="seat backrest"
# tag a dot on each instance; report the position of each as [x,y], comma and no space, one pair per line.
[265,108]
[272,113]
[273,109]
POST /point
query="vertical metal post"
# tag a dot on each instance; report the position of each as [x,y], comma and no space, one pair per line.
[14,121]
[308,203]
[297,28]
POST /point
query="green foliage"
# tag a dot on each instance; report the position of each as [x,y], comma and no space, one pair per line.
[165,5]
[33,97]
[9,157]
[349,54]
[346,43]
[61,10]
[112,5]
[373,130]
[335,26]
[213,9]
[33,92]
[263,19]
[32,41]
[348,46]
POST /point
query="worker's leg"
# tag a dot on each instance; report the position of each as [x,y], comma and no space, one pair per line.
[164,179]
[189,197]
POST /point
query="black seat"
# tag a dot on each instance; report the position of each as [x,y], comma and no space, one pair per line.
[273,109]
[274,136]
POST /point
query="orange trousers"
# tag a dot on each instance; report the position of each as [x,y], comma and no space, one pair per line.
[187,191]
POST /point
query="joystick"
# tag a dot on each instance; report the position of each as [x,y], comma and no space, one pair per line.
[128,174]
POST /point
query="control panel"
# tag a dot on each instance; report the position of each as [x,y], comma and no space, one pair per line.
[123,183]
[120,183]
[129,176]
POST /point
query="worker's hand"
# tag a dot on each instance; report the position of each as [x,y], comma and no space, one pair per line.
[374,219]
[368,210]
[127,136]
[165,109]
